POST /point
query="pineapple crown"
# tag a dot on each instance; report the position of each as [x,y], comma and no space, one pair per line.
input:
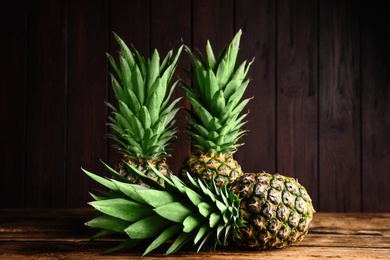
[143,120]
[177,213]
[215,123]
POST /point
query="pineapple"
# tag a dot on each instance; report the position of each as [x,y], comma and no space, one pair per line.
[143,119]
[276,210]
[215,120]
[255,211]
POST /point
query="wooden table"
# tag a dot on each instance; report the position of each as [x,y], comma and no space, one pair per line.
[60,234]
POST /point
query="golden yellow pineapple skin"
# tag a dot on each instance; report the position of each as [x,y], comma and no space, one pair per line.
[276,210]
[222,167]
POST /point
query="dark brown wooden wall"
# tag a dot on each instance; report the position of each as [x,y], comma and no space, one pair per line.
[321,87]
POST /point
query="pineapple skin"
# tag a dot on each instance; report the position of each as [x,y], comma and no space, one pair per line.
[144,168]
[222,167]
[276,211]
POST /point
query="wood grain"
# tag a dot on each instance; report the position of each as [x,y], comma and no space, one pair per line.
[375,109]
[87,91]
[60,234]
[46,105]
[13,93]
[213,21]
[339,126]
[257,20]
[320,81]
[297,93]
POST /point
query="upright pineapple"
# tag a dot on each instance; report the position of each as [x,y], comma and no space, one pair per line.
[215,122]
[256,211]
[143,119]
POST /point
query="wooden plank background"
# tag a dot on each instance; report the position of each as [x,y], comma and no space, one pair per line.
[320,82]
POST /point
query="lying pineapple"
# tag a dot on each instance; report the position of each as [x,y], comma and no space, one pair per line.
[255,211]
[143,119]
[215,120]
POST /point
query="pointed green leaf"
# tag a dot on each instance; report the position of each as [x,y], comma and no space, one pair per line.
[211,86]
[116,174]
[217,103]
[126,73]
[179,185]
[221,227]
[156,198]
[222,207]
[205,209]
[125,51]
[210,56]
[165,236]
[154,106]
[133,102]
[131,190]
[122,208]
[214,219]
[154,69]
[169,71]
[103,181]
[118,90]
[237,95]
[102,233]
[192,222]
[205,239]
[109,223]
[223,74]
[145,118]
[165,62]
[195,198]
[113,64]
[138,84]
[203,114]
[202,231]
[180,241]
[147,228]
[231,88]
[175,211]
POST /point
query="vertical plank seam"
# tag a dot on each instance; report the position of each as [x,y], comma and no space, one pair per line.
[361,104]
[27,101]
[192,25]
[150,47]
[318,104]
[107,81]
[276,88]
[26,28]
[66,76]
[234,25]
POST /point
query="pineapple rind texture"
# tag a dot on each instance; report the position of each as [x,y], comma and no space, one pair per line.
[221,168]
[256,211]
[276,210]
[145,168]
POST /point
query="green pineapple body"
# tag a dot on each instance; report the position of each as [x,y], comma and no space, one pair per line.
[276,210]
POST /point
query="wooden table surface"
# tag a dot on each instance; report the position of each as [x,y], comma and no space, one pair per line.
[60,234]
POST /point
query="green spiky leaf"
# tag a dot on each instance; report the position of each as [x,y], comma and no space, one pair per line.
[122,209]
[175,211]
